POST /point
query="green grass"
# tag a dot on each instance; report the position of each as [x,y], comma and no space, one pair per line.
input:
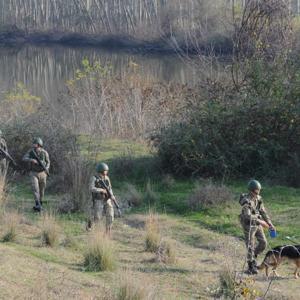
[282,203]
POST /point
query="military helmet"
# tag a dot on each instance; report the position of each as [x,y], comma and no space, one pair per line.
[254,185]
[38,141]
[101,167]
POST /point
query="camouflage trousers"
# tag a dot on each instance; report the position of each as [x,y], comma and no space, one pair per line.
[102,209]
[38,184]
[253,233]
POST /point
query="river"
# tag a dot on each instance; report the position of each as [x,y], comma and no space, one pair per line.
[45,69]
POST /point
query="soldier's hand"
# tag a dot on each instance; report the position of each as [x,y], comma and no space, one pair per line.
[272,227]
[264,224]
[34,161]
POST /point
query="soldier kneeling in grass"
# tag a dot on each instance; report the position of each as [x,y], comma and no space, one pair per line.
[102,197]
[253,219]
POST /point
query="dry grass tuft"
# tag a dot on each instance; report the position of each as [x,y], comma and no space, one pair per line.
[2,191]
[152,239]
[150,196]
[100,254]
[11,221]
[166,253]
[133,289]
[50,230]
[208,195]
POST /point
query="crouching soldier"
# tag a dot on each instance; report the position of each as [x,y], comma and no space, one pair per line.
[102,197]
[39,164]
[253,219]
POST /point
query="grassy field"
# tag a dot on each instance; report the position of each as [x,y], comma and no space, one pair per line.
[206,243]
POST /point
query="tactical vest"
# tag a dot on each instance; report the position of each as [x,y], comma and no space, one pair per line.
[36,167]
[98,185]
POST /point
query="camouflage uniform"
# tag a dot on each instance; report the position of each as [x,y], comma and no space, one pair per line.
[3,162]
[38,176]
[253,210]
[101,205]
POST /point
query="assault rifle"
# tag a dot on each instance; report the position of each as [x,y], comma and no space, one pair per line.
[110,195]
[7,155]
[40,162]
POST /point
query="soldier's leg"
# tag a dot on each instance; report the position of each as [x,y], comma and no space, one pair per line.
[261,241]
[42,185]
[249,233]
[35,188]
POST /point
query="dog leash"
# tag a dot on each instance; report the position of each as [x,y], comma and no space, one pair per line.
[292,240]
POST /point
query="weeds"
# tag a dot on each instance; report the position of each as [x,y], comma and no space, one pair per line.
[50,230]
[100,253]
[152,239]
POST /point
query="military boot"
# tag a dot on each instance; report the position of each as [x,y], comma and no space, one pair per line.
[252,268]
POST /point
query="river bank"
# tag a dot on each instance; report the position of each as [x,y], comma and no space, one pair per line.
[13,36]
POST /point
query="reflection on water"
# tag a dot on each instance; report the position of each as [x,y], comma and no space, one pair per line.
[44,70]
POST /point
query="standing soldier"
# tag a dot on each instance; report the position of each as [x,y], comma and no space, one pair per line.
[39,164]
[253,219]
[102,197]
[3,162]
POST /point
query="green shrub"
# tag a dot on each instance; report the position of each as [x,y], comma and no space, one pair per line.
[132,196]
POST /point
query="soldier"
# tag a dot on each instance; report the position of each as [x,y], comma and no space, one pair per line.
[39,164]
[3,162]
[253,219]
[102,197]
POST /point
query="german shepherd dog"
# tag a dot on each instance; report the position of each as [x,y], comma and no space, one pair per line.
[275,256]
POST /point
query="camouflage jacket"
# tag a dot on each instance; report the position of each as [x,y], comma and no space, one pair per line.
[3,146]
[96,187]
[253,210]
[43,156]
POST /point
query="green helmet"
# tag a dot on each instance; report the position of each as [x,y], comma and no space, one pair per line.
[101,167]
[254,185]
[38,141]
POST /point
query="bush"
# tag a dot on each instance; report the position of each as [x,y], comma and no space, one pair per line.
[100,254]
[59,142]
[208,195]
[251,138]
[132,196]
[152,239]
[50,230]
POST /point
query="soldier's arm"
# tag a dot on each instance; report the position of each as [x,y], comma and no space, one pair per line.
[93,187]
[27,157]
[264,214]
[47,159]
